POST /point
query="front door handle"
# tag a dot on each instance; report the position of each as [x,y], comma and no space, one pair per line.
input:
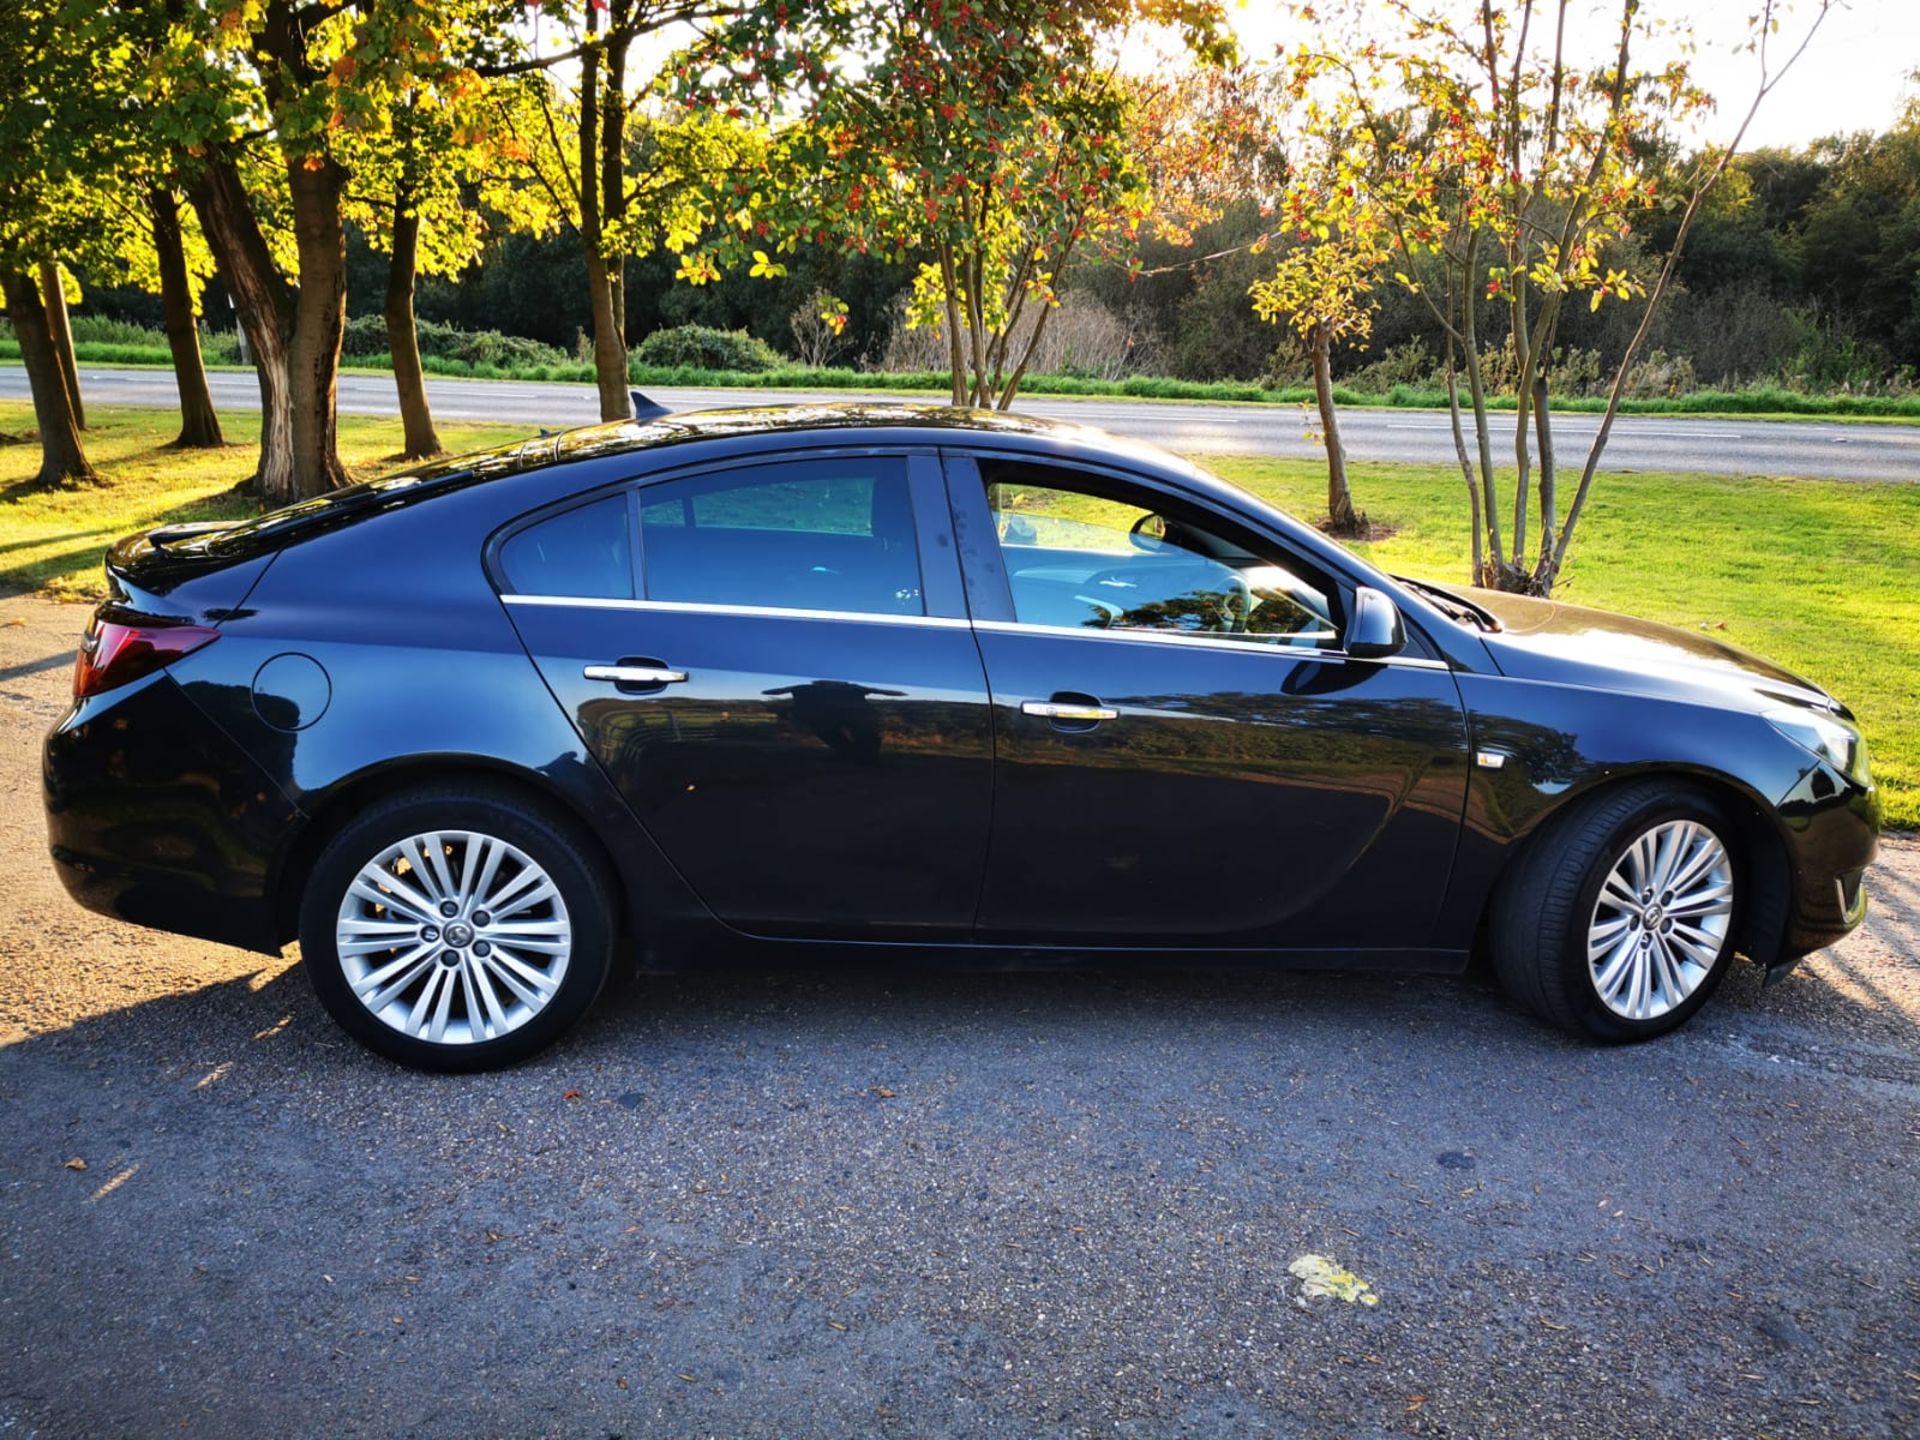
[1086,712]
[635,674]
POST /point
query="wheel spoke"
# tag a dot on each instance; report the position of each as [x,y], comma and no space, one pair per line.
[494,965]
[481,981]
[374,987]
[436,875]
[378,886]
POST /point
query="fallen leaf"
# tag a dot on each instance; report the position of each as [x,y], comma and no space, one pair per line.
[621,1382]
[835,1325]
[1319,1275]
[690,1379]
[883,1092]
[571,1095]
[398,1321]
[76,1163]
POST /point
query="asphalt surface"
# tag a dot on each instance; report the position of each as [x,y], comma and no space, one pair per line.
[1638,442]
[844,1203]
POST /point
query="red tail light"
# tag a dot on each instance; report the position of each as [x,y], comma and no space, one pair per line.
[113,654]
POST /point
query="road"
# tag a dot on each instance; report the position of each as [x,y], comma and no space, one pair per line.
[840,1202]
[1639,442]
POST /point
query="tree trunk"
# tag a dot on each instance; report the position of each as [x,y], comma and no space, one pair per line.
[403,340]
[1342,518]
[199,424]
[609,325]
[54,296]
[609,345]
[319,323]
[264,306]
[63,460]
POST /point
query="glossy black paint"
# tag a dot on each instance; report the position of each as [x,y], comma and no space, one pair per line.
[824,778]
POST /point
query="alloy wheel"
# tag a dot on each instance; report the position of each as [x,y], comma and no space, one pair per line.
[453,937]
[1661,920]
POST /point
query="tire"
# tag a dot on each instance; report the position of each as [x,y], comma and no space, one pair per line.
[1548,912]
[502,1001]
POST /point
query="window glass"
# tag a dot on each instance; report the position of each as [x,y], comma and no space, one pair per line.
[584,552]
[1079,552]
[797,535]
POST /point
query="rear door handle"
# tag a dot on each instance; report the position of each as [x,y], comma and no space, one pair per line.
[635,674]
[1068,710]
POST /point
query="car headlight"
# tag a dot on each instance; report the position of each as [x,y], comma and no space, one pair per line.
[1827,736]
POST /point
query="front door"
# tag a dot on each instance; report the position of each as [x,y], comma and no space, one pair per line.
[788,694]
[1185,757]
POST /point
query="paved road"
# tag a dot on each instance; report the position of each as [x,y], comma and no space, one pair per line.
[1639,442]
[831,1203]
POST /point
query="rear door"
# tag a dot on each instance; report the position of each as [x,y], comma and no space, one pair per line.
[773,662]
[1186,757]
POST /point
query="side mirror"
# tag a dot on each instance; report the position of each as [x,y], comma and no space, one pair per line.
[1376,630]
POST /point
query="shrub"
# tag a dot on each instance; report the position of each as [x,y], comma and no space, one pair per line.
[366,338]
[705,348]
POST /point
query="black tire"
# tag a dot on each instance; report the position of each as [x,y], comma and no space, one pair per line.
[1538,925]
[550,841]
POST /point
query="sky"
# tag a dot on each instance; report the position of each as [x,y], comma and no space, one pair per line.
[1852,77]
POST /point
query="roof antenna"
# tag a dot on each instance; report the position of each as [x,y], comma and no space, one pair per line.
[645,409]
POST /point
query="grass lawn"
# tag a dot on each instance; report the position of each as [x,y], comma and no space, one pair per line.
[53,543]
[1822,576]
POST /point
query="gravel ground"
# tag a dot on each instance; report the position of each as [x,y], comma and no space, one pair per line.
[851,1203]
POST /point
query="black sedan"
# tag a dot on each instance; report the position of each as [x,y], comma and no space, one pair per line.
[770,683]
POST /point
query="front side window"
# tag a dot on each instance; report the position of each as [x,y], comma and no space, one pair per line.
[799,535]
[1087,553]
[581,552]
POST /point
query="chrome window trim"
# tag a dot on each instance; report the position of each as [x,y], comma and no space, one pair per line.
[773,612]
[955,622]
[1209,642]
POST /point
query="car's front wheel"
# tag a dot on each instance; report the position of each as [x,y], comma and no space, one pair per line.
[1618,922]
[456,928]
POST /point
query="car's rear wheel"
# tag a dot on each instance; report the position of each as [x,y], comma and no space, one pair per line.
[456,929]
[1618,922]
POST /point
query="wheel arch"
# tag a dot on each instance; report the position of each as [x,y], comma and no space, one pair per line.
[1761,849]
[351,794]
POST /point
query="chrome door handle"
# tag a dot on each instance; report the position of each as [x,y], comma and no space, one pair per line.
[1054,710]
[635,674]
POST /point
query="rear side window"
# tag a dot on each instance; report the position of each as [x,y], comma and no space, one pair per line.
[584,552]
[796,535]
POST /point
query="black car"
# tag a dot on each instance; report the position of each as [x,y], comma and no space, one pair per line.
[787,682]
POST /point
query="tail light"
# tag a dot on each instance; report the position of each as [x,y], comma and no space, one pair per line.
[113,654]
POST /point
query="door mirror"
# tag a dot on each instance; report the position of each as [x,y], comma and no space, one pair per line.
[1149,532]
[1376,631]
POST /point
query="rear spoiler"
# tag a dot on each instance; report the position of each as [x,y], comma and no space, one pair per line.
[168,535]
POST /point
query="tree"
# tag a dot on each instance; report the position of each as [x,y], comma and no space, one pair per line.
[179,281]
[599,158]
[269,105]
[53,295]
[1506,173]
[41,214]
[1336,247]
[407,197]
[997,141]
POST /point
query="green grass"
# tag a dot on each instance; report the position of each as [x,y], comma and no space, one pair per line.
[53,542]
[1822,576]
[1760,402]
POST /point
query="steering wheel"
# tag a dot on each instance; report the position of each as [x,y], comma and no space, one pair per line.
[1239,606]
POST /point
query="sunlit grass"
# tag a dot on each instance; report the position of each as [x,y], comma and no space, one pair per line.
[1822,576]
[53,542]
